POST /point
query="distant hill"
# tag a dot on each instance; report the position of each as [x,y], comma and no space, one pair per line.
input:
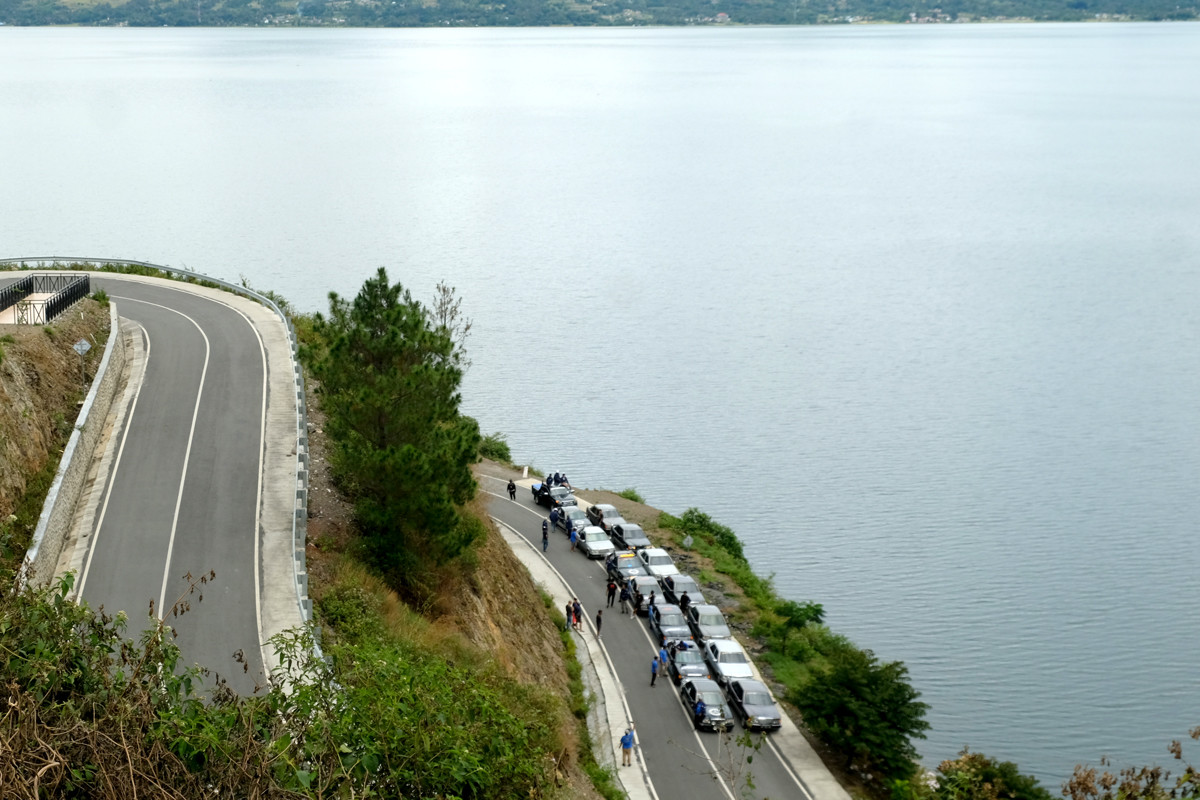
[417,13]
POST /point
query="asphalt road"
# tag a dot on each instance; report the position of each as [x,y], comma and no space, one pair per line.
[183,493]
[683,764]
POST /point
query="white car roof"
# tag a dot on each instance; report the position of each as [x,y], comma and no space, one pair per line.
[654,551]
[726,645]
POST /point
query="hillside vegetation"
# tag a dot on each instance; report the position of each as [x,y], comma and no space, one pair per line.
[417,13]
[464,691]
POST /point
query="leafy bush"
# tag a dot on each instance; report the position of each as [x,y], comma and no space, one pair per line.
[974,776]
[101,297]
[89,714]
[866,711]
[495,447]
[631,494]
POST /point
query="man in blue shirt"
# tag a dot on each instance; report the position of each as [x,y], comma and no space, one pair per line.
[627,747]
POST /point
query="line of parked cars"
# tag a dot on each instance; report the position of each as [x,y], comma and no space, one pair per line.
[706,663]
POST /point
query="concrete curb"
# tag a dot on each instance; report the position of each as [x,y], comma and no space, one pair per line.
[59,508]
[609,716]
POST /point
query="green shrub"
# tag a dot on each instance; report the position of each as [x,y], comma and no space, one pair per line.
[866,711]
[495,447]
[631,494]
[101,297]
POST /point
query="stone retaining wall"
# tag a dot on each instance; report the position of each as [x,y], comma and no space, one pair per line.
[59,508]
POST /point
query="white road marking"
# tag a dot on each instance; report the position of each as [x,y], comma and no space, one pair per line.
[162,596]
[116,463]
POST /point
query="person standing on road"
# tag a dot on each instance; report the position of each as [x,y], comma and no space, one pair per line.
[570,615]
[662,656]
[653,670]
[625,599]
[612,592]
[599,611]
[578,616]
[651,599]
[553,516]
[627,747]
[574,538]
[684,601]
[512,490]
[545,535]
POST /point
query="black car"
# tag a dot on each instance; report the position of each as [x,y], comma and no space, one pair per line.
[675,585]
[667,622]
[686,661]
[628,536]
[553,496]
[604,516]
[717,716]
[752,704]
[624,567]
[572,515]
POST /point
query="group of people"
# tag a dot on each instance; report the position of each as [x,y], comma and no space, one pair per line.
[559,479]
[574,612]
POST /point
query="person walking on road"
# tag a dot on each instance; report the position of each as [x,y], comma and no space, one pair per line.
[578,616]
[627,747]
[574,538]
[612,592]
[545,536]
[599,612]
[653,670]
[512,490]
[624,600]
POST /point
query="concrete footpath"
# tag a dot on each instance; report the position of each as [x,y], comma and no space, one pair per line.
[608,715]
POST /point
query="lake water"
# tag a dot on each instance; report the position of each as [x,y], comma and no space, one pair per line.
[913,309]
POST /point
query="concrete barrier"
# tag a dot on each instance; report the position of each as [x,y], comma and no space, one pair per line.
[59,508]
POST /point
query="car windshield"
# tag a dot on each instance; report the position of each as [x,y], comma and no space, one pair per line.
[688,657]
[757,699]
[733,657]
[671,619]
[712,619]
[575,513]
[597,536]
[560,491]
[660,561]
[713,699]
[632,532]
[681,585]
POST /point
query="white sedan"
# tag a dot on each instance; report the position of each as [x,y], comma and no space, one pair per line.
[594,543]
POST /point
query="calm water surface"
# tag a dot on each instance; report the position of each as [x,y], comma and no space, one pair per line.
[915,310]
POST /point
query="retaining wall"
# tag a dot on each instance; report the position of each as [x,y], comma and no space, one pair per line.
[57,512]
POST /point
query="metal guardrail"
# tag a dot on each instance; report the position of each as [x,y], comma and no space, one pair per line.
[300,512]
[15,293]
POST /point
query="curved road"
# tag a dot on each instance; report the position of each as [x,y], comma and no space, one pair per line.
[184,489]
[684,764]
